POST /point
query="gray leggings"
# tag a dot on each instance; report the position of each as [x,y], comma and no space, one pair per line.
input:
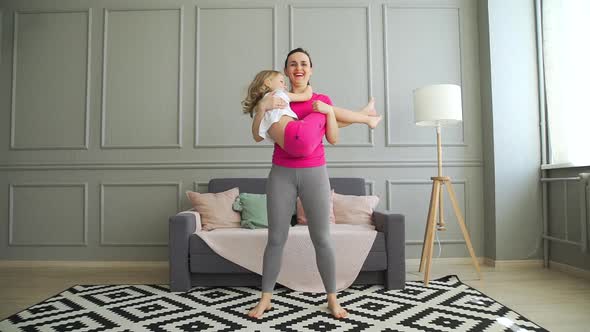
[312,185]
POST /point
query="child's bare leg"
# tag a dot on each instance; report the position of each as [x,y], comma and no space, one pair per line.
[277,130]
[278,136]
[367,115]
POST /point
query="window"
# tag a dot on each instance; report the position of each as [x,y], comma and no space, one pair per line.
[566,61]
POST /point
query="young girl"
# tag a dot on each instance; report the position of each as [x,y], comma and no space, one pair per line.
[306,139]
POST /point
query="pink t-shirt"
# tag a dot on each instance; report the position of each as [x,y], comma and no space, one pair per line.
[317,158]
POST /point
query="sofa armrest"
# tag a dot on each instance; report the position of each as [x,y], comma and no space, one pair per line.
[393,225]
[180,227]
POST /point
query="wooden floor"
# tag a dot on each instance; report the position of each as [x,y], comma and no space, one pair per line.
[555,300]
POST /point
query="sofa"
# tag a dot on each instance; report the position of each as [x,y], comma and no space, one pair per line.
[192,263]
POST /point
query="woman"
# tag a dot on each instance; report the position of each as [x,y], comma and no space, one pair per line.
[292,176]
[272,82]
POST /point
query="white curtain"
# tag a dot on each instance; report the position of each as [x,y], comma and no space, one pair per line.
[566,49]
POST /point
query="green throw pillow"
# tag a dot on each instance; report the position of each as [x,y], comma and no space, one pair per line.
[253,210]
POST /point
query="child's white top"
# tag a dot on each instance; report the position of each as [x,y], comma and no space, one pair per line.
[274,115]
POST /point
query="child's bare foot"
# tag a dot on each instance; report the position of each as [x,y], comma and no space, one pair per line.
[262,306]
[369,109]
[336,310]
[374,121]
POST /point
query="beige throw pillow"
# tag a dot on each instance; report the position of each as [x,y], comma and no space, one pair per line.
[356,210]
[302,219]
[216,208]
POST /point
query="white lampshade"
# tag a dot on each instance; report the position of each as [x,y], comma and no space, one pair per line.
[438,104]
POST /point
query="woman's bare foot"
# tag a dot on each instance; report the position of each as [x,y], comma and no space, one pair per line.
[262,306]
[369,109]
[337,311]
[335,308]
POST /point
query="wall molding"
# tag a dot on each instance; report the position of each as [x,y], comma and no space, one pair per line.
[195,164]
[196,143]
[370,187]
[367,7]
[388,130]
[270,145]
[11,221]
[390,183]
[15,57]
[103,185]
[103,143]
[197,184]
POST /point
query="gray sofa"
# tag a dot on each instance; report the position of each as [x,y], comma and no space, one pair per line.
[192,263]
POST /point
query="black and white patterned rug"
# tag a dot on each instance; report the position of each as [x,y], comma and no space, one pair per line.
[446,305]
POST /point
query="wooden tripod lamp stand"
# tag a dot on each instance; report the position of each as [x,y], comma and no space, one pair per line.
[435,106]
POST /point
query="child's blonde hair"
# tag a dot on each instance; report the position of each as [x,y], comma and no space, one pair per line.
[257,90]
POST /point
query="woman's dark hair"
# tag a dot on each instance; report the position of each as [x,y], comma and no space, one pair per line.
[298,50]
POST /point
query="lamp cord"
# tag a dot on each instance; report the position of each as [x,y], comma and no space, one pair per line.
[438,242]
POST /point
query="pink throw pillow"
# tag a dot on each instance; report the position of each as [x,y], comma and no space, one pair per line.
[302,220]
[216,208]
[356,210]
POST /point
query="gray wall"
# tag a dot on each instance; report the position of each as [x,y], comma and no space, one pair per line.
[112,109]
[489,185]
[511,134]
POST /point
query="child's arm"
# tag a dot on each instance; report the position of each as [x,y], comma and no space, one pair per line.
[265,104]
[331,128]
[304,96]
[259,114]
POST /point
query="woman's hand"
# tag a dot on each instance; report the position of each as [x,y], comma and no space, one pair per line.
[271,102]
[320,106]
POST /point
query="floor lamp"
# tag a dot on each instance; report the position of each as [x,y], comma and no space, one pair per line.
[436,106]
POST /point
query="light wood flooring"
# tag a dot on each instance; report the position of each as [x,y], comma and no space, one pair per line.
[555,300]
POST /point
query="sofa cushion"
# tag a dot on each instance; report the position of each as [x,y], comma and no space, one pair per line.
[216,208]
[302,219]
[198,247]
[213,263]
[252,208]
[352,209]
[376,261]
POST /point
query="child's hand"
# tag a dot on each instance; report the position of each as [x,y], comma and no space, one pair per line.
[320,106]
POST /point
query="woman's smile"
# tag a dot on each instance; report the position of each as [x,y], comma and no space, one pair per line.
[298,68]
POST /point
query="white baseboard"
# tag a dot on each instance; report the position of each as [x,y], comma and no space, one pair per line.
[526,263]
[89,264]
[572,270]
[446,260]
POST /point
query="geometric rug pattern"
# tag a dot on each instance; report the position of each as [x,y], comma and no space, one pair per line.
[445,305]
